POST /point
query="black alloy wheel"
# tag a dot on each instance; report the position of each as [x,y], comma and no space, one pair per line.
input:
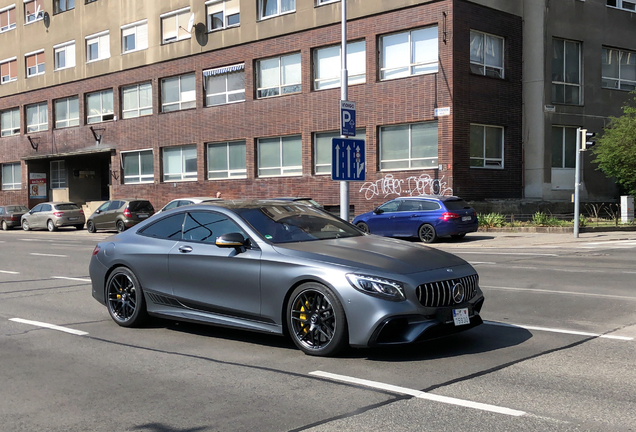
[125,299]
[90,227]
[120,226]
[427,233]
[316,320]
[50,226]
[363,227]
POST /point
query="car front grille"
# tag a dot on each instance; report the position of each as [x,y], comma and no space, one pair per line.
[438,294]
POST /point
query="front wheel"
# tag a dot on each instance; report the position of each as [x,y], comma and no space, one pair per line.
[120,226]
[51,226]
[363,227]
[316,320]
[125,298]
[427,233]
[5,227]
[25,226]
[90,226]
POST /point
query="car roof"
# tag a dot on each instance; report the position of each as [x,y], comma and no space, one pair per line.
[198,198]
[433,197]
[248,203]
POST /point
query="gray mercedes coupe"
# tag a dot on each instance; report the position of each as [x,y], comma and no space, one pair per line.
[284,268]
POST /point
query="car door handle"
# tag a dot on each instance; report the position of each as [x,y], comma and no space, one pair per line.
[185,249]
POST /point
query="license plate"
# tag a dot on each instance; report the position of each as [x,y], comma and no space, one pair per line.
[73,218]
[141,216]
[460,316]
[466,218]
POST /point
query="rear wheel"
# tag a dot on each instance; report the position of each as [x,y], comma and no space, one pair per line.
[316,320]
[50,226]
[90,226]
[120,226]
[125,298]
[5,227]
[363,227]
[25,226]
[427,233]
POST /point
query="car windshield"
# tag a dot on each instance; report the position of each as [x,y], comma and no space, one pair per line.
[68,206]
[295,223]
[140,206]
[458,204]
[17,209]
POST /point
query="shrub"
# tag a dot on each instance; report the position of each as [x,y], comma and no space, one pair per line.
[491,220]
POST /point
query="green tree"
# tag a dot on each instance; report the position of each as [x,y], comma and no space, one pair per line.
[615,150]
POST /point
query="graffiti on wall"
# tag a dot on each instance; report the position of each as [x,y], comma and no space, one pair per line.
[412,186]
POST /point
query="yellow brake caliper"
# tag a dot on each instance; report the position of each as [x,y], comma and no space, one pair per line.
[303,317]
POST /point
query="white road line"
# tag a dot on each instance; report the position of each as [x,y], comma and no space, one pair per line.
[481,262]
[419,394]
[483,252]
[561,292]
[71,278]
[48,255]
[9,272]
[49,326]
[553,330]
[37,240]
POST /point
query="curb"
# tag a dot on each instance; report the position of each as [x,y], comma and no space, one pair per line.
[557,230]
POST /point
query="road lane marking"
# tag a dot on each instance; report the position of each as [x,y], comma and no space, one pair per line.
[418,394]
[481,262]
[554,330]
[37,240]
[71,278]
[48,255]
[49,326]
[483,252]
[9,272]
[560,292]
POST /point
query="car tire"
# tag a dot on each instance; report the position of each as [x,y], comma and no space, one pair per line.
[5,227]
[90,227]
[458,236]
[363,227]
[120,226]
[316,320]
[50,226]
[427,233]
[25,225]
[125,298]
[79,227]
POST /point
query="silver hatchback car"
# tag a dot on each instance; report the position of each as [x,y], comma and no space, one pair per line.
[52,215]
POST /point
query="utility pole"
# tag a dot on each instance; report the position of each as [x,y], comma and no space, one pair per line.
[580,143]
[344,95]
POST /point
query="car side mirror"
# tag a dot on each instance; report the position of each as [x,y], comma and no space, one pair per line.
[98,211]
[231,240]
[378,210]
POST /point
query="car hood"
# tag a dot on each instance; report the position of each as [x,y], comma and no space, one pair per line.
[372,252]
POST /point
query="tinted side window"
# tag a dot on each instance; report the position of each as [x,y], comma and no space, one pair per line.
[456,204]
[430,205]
[46,207]
[411,205]
[37,208]
[171,205]
[104,206]
[1,210]
[166,228]
[114,205]
[69,206]
[391,206]
[207,226]
[140,206]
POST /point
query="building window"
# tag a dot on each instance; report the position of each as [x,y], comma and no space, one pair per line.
[322,2]
[280,156]
[486,54]
[63,5]
[486,146]
[279,75]
[566,72]
[227,160]
[224,85]
[37,117]
[623,4]
[178,93]
[327,65]
[89,1]
[134,37]
[222,14]
[138,166]
[35,63]
[10,122]
[136,100]
[323,149]
[619,69]
[180,163]
[563,147]
[11,176]
[408,53]
[64,55]
[33,10]
[58,174]
[97,47]
[8,70]
[409,146]
[99,106]
[7,18]
[66,112]
[174,26]
[270,8]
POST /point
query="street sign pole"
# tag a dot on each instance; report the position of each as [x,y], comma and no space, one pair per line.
[344,95]
[577,178]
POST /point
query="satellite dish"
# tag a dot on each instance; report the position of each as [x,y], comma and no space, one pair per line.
[190,23]
[201,34]
[47,20]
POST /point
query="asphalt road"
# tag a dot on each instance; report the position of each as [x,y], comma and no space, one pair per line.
[557,353]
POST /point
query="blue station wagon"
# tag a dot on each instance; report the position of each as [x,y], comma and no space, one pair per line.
[426,217]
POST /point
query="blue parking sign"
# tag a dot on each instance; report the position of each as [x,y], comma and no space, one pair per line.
[348,159]
[347,118]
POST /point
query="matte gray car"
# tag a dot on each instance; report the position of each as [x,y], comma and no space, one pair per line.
[284,268]
[52,215]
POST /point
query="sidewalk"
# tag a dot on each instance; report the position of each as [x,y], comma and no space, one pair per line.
[525,239]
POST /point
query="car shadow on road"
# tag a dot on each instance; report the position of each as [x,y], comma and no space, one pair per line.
[470,238]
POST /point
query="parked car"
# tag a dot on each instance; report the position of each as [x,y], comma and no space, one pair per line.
[303,200]
[10,215]
[186,201]
[119,214]
[426,217]
[278,268]
[52,215]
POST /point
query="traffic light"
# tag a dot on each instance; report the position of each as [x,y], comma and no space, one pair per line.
[590,140]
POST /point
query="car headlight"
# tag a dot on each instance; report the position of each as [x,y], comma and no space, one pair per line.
[380,287]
